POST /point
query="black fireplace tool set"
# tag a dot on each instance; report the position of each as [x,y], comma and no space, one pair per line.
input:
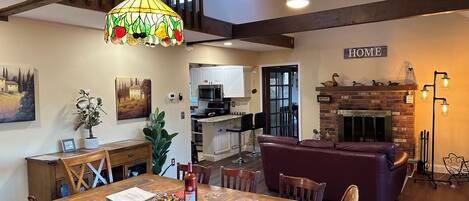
[422,164]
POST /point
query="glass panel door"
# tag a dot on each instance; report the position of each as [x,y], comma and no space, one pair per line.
[280,100]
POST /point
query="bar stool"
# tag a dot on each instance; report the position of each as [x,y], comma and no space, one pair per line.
[259,122]
[246,125]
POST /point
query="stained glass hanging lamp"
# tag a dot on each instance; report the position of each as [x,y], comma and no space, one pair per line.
[149,22]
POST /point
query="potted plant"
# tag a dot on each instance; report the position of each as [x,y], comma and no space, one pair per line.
[160,140]
[89,111]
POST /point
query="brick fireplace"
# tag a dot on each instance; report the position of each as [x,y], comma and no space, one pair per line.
[370,113]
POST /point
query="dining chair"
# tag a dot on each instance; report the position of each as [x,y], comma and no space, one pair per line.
[299,188]
[76,166]
[351,194]
[203,173]
[239,179]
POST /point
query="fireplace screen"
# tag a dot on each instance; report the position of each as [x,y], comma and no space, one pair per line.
[364,125]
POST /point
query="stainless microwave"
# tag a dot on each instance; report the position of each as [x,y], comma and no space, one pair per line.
[211,92]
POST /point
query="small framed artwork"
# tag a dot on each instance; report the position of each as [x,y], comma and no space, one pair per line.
[68,145]
[324,99]
[133,97]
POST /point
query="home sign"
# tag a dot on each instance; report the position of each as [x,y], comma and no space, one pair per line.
[365,52]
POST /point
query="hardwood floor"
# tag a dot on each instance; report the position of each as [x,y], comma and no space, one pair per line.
[412,191]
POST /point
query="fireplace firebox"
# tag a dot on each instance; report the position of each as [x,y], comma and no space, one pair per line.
[364,125]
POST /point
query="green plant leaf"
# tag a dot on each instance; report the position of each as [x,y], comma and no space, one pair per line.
[159,137]
[149,139]
[161,116]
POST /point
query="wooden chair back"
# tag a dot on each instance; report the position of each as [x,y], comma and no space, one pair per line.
[351,194]
[76,166]
[239,179]
[299,188]
[202,173]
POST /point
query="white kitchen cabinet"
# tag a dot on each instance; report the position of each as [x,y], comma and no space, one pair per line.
[196,80]
[222,139]
[235,80]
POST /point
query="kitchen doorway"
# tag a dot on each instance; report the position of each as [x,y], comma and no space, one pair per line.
[280,100]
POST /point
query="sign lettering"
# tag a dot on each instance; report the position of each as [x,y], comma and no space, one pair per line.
[365,52]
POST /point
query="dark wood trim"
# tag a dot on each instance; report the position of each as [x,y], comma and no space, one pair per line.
[23,6]
[208,41]
[368,88]
[4,18]
[276,40]
[105,6]
[195,13]
[353,15]
[215,27]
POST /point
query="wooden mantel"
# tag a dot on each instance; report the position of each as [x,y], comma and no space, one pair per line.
[368,88]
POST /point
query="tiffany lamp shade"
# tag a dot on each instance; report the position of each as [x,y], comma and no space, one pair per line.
[148,22]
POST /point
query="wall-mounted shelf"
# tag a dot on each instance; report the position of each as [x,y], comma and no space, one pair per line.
[368,88]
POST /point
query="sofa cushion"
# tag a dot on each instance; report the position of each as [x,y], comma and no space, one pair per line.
[276,139]
[389,149]
[317,144]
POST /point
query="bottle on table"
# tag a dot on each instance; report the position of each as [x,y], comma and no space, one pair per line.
[190,184]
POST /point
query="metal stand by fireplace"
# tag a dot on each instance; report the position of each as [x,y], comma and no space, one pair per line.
[364,125]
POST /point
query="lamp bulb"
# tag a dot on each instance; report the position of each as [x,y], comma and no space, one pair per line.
[444,108]
[445,82]
[424,94]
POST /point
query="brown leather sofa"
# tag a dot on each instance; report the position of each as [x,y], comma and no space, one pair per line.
[376,168]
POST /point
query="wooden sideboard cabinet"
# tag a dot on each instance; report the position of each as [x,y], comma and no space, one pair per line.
[46,176]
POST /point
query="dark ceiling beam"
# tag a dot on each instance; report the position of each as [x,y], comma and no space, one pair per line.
[353,15]
[96,5]
[208,41]
[23,7]
[274,40]
[216,27]
[277,40]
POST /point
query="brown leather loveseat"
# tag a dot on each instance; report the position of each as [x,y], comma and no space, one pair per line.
[376,168]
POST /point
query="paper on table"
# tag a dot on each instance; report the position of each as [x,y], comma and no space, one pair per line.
[133,194]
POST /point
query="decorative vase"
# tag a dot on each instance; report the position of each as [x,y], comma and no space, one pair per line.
[91,143]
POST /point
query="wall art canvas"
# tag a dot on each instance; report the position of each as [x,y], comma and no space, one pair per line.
[17,98]
[133,96]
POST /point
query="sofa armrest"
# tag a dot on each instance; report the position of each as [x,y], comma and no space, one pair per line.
[401,159]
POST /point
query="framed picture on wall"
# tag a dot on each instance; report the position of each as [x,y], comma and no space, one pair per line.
[17,94]
[133,98]
[68,145]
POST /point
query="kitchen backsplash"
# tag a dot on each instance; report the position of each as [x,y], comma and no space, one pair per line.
[240,105]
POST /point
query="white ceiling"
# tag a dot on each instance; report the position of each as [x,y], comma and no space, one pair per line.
[227,10]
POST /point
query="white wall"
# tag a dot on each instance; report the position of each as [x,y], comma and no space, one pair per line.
[429,43]
[68,58]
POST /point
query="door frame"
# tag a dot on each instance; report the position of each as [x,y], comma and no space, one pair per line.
[261,94]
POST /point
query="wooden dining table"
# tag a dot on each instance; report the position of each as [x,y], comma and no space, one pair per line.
[157,184]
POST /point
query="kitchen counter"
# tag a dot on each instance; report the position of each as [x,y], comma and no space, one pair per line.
[219,118]
[217,142]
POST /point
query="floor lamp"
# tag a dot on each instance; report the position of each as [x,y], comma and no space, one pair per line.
[444,108]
